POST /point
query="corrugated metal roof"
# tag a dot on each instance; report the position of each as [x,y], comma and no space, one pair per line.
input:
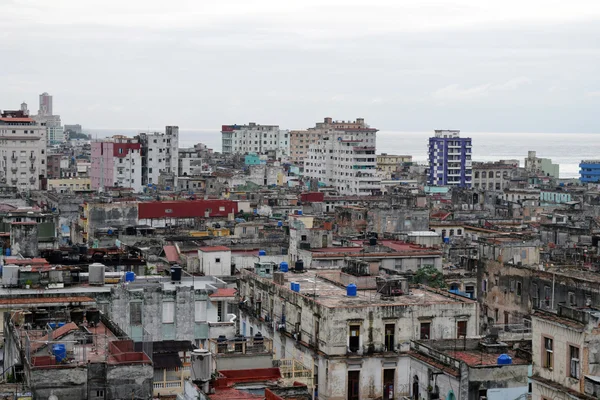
[171,253]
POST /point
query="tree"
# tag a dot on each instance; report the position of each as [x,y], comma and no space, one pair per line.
[430,276]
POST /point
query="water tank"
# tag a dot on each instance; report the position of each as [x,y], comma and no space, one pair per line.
[77,316]
[59,351]
[61,324]
[293,286]
[176,273]
[504,359]
[299,212]
[283,267]
[129,276]
[373,241]
[7,252]
[41,317]
[52,325]
[96,274]
[93,316]
[201,365]
[280,223]
[28,317]
[10,275]
[55,276]
[299,266]
[262,253]
[351,290]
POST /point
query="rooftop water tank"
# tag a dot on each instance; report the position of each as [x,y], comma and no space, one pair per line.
[504,359]
[176,273]
[77,316]
[93,316]
[293,286]
[10,275]
[373,241]
[283,267]
[299,266]
[299,212]
[201,365]
[262,253]
[129,276]
[7,252]
[96,274]
[351,290]
[279,223]
[59,351]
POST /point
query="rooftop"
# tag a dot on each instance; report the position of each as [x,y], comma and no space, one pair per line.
[208,249]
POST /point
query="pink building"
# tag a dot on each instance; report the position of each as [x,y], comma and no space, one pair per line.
[116,161]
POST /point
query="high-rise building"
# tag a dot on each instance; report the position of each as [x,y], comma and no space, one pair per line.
[449,159]
[22,151]
[160,154]
[344,158]
[538,165]
[45,104]
[589,171]
[255,138]
[116,161]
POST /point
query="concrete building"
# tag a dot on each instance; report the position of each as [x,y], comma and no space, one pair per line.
[449,159]
[191,163]
[589,171]
[215,260]
[116,161]
[345,160]
[388,165]
[70,185]
[45,104]
[75,128]
[55,132]
[537,165]
[22,150]
[350,341]
[494,176]
[160,154]
[565,347]
[255,138]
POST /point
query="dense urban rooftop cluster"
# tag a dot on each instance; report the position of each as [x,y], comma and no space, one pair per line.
[293,264]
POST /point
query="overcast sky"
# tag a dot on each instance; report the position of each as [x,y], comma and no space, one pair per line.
[493,66]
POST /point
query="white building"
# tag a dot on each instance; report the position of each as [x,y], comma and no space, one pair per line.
[346,161]
[255,138]
[160,152]
[22,150]
[215,260]
[191,163]
[116,161]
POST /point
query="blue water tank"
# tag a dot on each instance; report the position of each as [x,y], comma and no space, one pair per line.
[280,223]
[61,324]
[351,290]
[129,276]
[446,240]
[262,253]
[297,287]
[299,212]
[283,267]
[60,352]
[504,359]
[52,325]
[293,286]
[7,252]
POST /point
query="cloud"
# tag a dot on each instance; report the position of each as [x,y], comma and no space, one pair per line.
[457,92]
[593,93]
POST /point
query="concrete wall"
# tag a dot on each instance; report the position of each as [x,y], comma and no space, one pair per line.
[251,361]
[65,383]
[24,239]
[215,263]
[397,220]
[124,380]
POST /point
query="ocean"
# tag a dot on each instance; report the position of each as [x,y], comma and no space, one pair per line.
[566,149]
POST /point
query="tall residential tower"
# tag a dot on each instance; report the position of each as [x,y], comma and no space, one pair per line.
[449,159]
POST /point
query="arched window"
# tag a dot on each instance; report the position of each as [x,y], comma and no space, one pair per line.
[451,232]
[483,174]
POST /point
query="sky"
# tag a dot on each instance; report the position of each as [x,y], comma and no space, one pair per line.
[403,65]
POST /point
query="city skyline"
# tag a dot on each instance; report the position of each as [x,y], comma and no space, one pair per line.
[498,67]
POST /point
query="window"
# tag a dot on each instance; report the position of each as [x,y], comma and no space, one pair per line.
[519,288]
[354,339]
[199,311]
[574,362]
[135,313]
[572,300]
[389,337]
[168,315]
[425,330]
[217,260]
[548,353]
[547,296]
[461,329]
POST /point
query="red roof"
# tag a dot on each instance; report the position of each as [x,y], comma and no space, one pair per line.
[171,253]
[208,249]
[16,119]
[47,300]
[187,209]
[224,292]
[25,261]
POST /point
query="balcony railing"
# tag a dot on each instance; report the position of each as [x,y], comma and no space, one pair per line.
[241,345]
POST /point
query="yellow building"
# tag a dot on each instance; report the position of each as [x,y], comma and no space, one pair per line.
[70,185]
[388,164]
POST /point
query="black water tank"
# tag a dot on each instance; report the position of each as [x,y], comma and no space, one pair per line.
[93,316]
[77,316]
[299,266]
[373,241]
[176,273]
[40,317]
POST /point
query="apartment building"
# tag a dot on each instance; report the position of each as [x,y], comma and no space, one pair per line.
[22,150]
[116,162]
[539,165]
[449,159]
[389,164]
[345,160]
[255,138]
[494,176]
[160,154]
[355,343]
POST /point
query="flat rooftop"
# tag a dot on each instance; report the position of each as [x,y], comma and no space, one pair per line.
[331,295]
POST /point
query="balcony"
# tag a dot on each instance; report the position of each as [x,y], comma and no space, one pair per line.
[32,180]
[14,181]
[32,158]
[32,169]
[14,170]
[14,158]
